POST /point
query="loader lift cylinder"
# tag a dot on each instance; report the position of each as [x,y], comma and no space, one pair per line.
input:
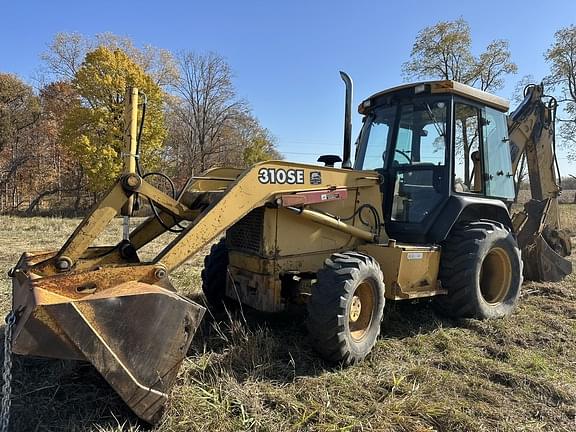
[130,144]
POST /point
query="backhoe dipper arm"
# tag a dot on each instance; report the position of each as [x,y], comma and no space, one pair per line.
[543,243]
[531,132]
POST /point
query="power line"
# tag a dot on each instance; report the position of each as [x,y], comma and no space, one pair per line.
[303,140]
[300,153]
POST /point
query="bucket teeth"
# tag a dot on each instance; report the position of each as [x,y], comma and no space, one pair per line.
[136,334]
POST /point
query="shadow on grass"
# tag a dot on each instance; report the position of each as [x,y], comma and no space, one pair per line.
[408,318]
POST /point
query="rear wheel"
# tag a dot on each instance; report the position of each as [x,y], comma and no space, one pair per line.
[482,270]
[346,307]
[214,275]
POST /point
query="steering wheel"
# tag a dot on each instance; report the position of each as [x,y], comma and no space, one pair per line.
[405,155]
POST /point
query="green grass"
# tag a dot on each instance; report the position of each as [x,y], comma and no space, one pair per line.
[426,372]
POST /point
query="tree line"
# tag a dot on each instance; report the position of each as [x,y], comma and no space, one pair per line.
[60,144]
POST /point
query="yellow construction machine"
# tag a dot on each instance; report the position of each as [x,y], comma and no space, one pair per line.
[424,211]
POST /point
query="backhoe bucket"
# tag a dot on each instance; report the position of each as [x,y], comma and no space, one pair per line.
[543,245]
[128,322]
[542,263]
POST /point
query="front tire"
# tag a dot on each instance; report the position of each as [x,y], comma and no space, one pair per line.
[481,268]
[214,275]
[346,307]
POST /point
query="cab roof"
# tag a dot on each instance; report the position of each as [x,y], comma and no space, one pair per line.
[441,87]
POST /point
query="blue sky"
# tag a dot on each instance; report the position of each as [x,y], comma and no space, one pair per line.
[286,55]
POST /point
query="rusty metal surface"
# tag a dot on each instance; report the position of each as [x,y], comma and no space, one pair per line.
[133,327]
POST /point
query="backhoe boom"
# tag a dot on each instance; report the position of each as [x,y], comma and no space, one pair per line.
[531,129]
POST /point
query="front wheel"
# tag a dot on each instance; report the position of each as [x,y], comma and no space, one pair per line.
[214,275]
[481,269]
[346,307]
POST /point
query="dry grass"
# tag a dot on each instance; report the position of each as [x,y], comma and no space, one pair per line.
[568,217]
[568,196]
[426,373]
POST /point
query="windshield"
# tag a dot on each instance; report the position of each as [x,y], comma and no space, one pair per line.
[420,138]
[376,137]
[406,143]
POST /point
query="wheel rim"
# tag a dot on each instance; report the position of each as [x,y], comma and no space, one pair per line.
[495,276]
[361,310]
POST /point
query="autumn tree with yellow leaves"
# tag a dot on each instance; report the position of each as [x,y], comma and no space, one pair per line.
[61,144]
[93,129]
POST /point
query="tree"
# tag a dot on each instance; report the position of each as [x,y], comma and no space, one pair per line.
[260,149]
[93,129]
[206,106]
[19,113]
[19,108]
[206,123]
[562,59]
[57,173]
[67,51]
[519,88]
[444,51]
[257,142]
[65,55]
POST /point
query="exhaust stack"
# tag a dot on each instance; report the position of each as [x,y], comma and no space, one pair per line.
[346,163]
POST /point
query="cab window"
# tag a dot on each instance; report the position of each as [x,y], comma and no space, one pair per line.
[379,135]
[498,163]
[467,169]
[419,159]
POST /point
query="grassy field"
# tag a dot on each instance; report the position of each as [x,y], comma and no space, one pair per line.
[251,373]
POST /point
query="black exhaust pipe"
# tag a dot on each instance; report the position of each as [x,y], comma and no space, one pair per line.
[346,163]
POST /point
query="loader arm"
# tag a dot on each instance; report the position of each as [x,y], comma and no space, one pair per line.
[103,305]
[544,244]
[252,190]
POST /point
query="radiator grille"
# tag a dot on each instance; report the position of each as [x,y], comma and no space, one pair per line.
[246,234]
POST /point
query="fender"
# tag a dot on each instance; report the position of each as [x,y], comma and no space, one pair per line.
[460,208]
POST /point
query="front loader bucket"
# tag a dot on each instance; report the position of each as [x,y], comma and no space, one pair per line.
[136,333]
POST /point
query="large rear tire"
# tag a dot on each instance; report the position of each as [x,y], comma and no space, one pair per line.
[346,307]
[481,268]
[214,275]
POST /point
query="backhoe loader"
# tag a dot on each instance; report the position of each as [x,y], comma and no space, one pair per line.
[422,212]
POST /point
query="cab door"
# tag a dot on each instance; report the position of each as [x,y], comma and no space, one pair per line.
[498,177]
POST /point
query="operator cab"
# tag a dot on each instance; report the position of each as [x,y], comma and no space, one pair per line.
[437,145]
